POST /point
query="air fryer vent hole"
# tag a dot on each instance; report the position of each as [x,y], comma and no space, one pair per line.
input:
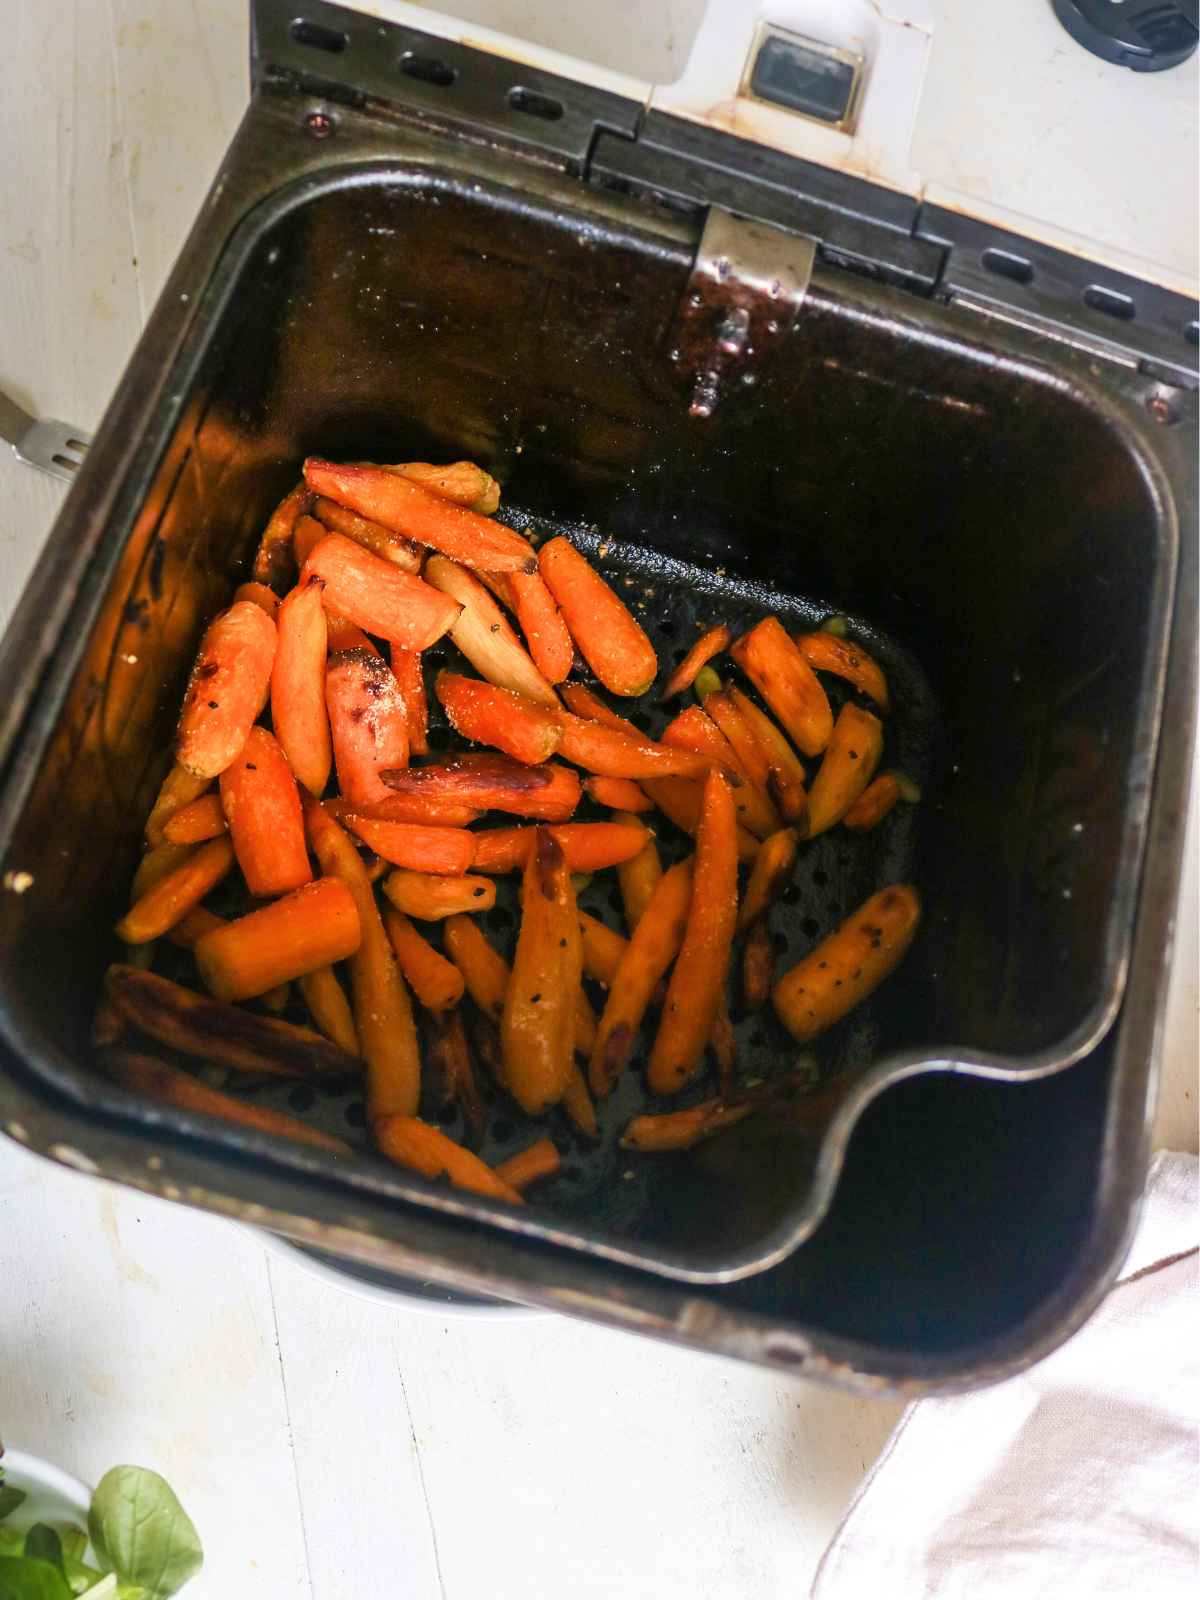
[316,37]
[1110,303]
[428,69]
[1005,265]
[536,105]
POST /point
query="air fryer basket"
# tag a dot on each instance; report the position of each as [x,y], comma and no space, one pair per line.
[1000,518]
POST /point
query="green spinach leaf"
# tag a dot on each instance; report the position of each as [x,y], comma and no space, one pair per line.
[24,1579]
[43,1544]
[10,1499]
[139,1529]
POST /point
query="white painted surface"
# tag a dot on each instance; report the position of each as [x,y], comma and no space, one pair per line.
[327,1447]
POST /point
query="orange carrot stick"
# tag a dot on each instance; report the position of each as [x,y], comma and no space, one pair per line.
[408,673]
[537,1031]
[368,721]
[758,967]
[193,926]
[654,945]
[849,965]
[377,596]
[462,482]
[613,643]
[483,633]
[849,764]
[786,780]
[751,759]
[603,948]
[179,788]
[876,801]
[484,970]
[613,754]
[698,982]
[494,783]
[426,809]
[639,874]
[542,624]
[680,1130]
[768,877]
[787,683]
[694,729]
[399,503]
[155,865]
[479,711]
[436,982]
[380,541]
[417,1145]
[227,689]
[578,1104]
[161,907]
[429,897]
[273,562]
[587,846]
[708,645]
[586,703]
[679,800]
[192,824]
[258,594]
[825,652]
[329,1008]
[306,536]
[382,1012]
[620,794]
[529,1166]
[262,806]
[298,714]
[312,927]
[344,635]
[448,852]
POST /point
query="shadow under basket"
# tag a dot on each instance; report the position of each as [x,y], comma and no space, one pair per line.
[999,520]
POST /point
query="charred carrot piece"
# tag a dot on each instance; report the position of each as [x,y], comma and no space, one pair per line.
[306,536]
[382,1012]
[452,1058]
[612,754]
[603,949]
[399,503]
[849,764]
[697,983]
[493,783]
[226,1035]
[639,874]
[329,1008]
[312,927]
[787,683]
[825,652]
[344,635]
[429,898]
[786,779]
[377,596]
[262,806]
[510,722]
[679,801]
[537,1030]
[448,852]
[174,895]
[680,1130]
[483,633]
[424,809]
[655,943]
[298,715]
[620,794]
[145,1075]
[877,800]
[192,824]
[273,562]
[758,967]
[694,729]
[193,926]
[587,846]
[849,965]
[408,673]
[713,643]
[751,760]
[380,541]
[368,721]
[612,642]
[541,622]
[769,876]
[421,1148]
[536,1162]
[462,482]
[258,594]
[436,982]
[179,788]
[227,690]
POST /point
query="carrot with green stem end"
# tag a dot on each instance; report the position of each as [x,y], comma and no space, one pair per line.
[710,644]
[298,716]
[311,927]
[262,806]
[379,597]
[227,689]
[612,642]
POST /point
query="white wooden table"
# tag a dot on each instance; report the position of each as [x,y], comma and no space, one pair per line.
[327,1446]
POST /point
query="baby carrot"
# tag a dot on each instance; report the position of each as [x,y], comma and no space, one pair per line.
[298,715]
[484,970]
[311,927]
[587,846]
[488,782]
[368,722]
[680,1130]
[827,653]
[586,703]
[541,622]
[421,808]
[613,754]
[483,633]
[707,646]
[751,759]
[193,926]
[758,967]
[621,794]
[436,982]
[377,596]
[462,482]
[529,1166]
[161,907]
[847,767]
[262,806]
[602,948]
[849,965]
[273,562]
[694,729]
[380,541]
[179,788]
[485,714]
[227,689]
[787,683]
[192,824]
[786,778]
[537,1030]
[876,801]
[769,876]
[638,876]
[577,1102]
[329,1008]
[306,536]
[429,897]
[445,851]
[408,673]
[613,643]
[345,635]
[422,1148]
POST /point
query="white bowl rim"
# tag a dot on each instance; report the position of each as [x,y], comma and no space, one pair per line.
[22,1469]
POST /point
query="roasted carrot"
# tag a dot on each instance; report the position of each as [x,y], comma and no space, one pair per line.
[587,846]
[445,851]
[693,729]
[329,1008]
[145,1075]
[710,644]
[226,1035]
[786,780]
[382,1012]
[825,652]
[537,1030]
[273,562]
[452,1058]
[758,967]
[769,876]
[578,1104]
[262,806]
[603,948]
[697,983]
[192,824]
[494,783]
[680,1130]
[586,703]
[751,760]
[408,673]
[430,519]
[436,981]
[377,596]
[639,874]
[430,897]
[345,635]
[849,965]
[613,643]
[612,754]
[849,764]
[541,622]
[380,541]
[484,970]
[529,1166]
[876,801]
[298,715]
[426,809]
[462,482]
[306,536]
[179,788]
[724,1047]
[654,945]
[679,800]
[483,633]
[258,594]
[368,721]
[312,927]
[621,794]
[161,906]
[227,689]
[417,1145]
[509,722]
[787,683]
[194,926]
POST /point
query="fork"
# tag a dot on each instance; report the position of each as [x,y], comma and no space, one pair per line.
[53,447]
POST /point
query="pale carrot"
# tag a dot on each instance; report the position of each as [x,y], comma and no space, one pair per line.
[262,806]
[227,689]
[312,927]
[298,716]
[483,633]
[612,642]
